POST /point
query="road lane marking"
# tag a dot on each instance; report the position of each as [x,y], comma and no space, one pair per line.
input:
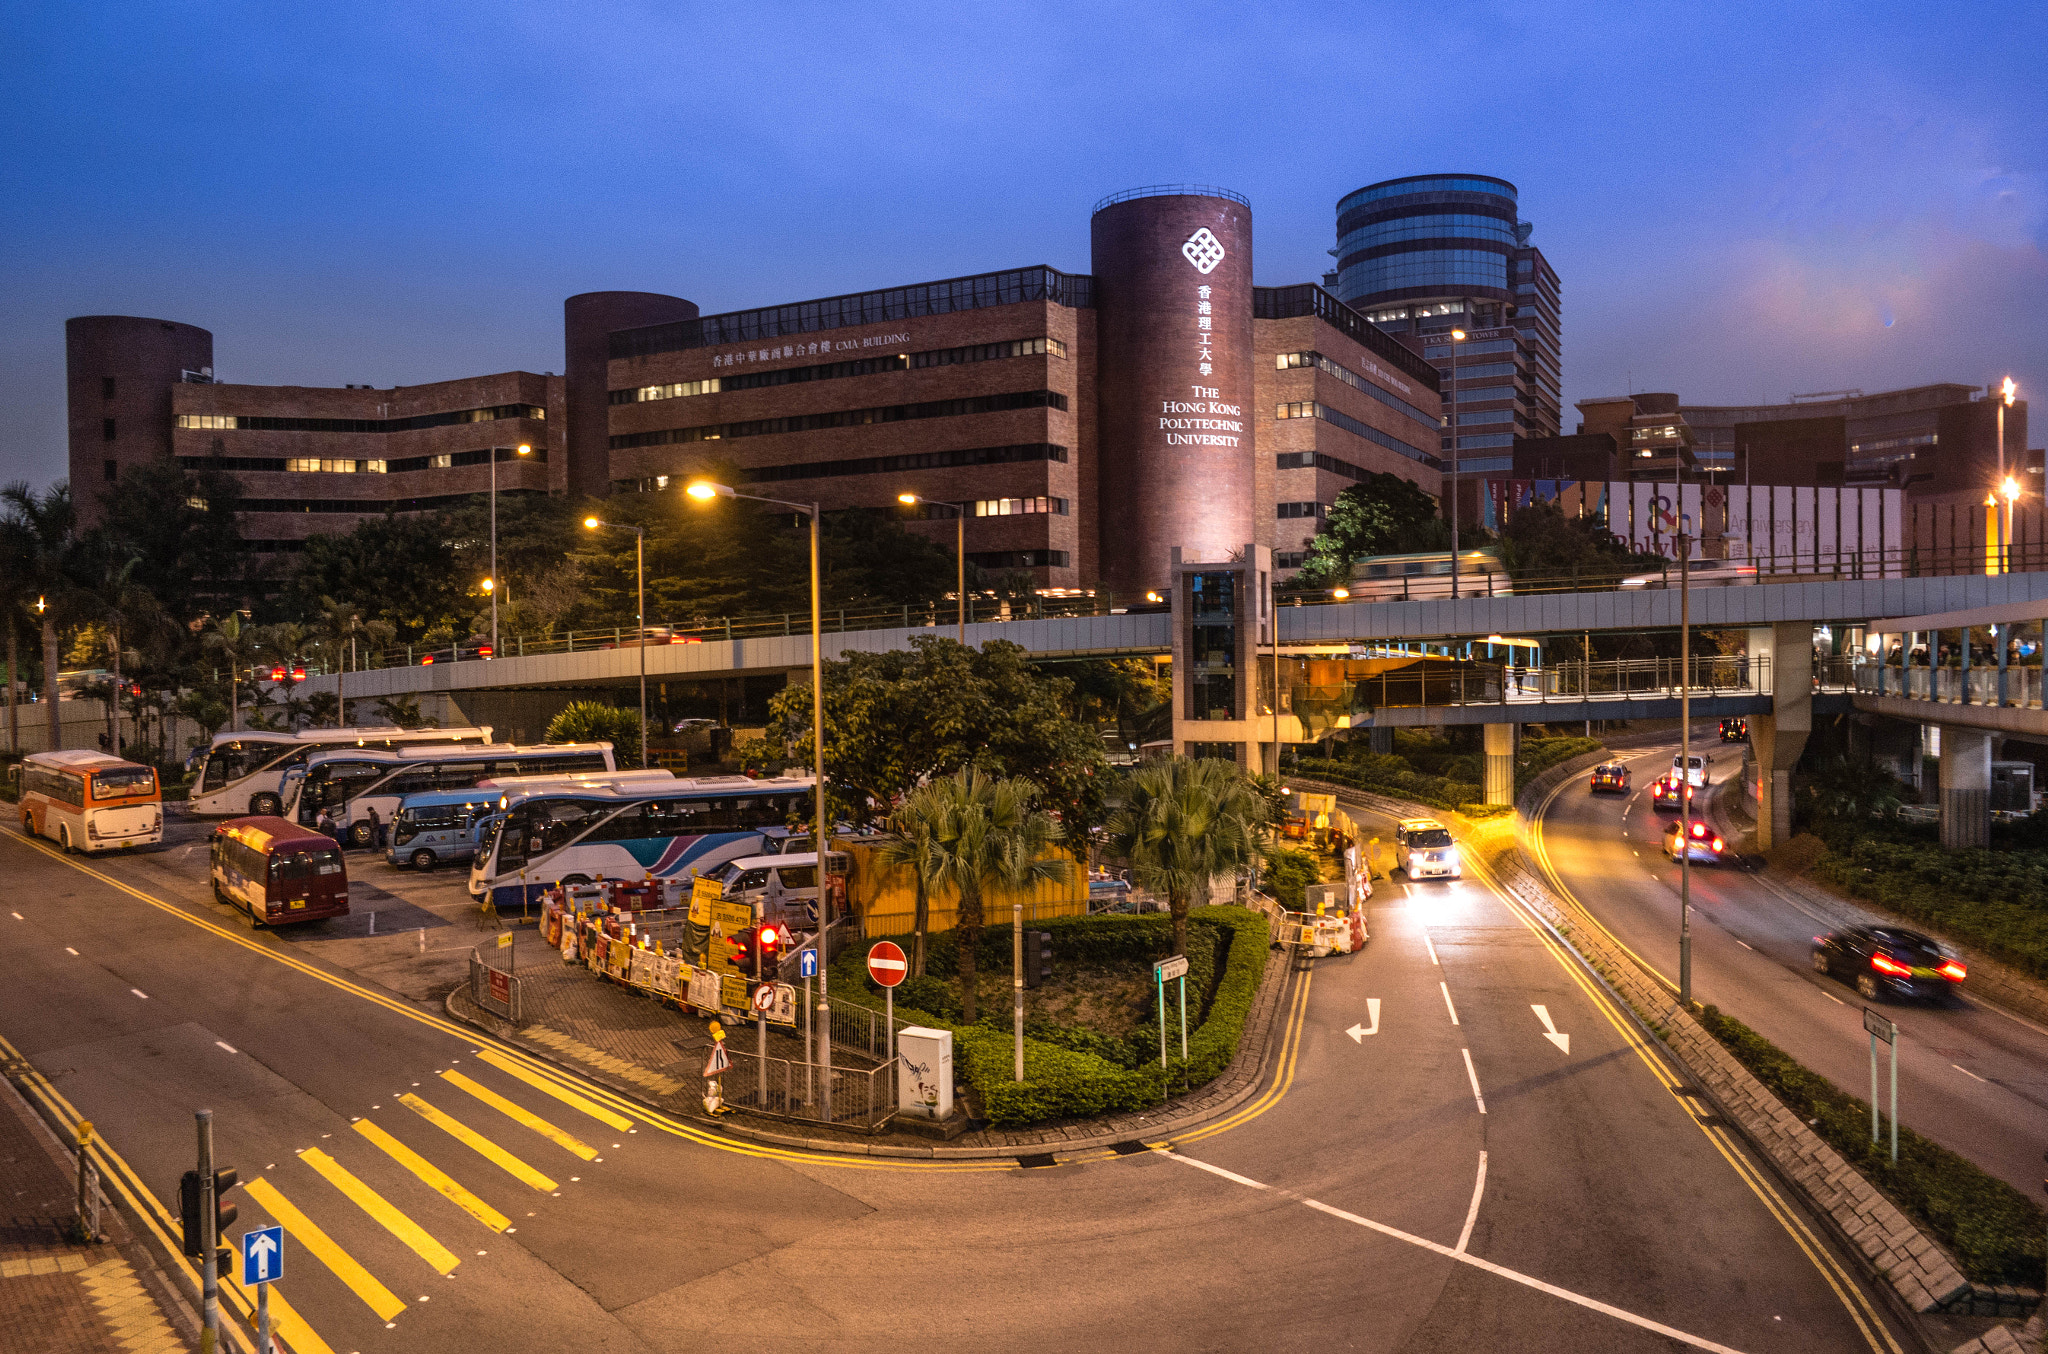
[1464,1257]
[1472,1213]
[1283,1069]
[477,1143]
[521,1115]
[73,953]
[221,1043]
[1835,999]
[1746,945]
[359,1281]
[1445,988]
[405,1229]
[561,1093]
[1971,1075]
[1563,1041]
[140,993]
[435,1177]
[1472,1073]
[1432,949]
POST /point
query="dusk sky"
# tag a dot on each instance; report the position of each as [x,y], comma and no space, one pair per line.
[1743,201]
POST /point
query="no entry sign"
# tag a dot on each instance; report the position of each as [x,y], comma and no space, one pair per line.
[886,964]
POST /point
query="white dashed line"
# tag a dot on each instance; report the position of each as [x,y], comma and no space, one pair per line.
[1968,1073]
[1835,999]
[229,1047]
[140,993]
[1474,1075]
[1747,946]
[68,950]
[1445,988]
[1432,949]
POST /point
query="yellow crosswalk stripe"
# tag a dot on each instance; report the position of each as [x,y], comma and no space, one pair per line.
[285,1322]
[381,1300]
[559,1092]
[405,1229]
[477,1143]
[521,1114]
[435,1177]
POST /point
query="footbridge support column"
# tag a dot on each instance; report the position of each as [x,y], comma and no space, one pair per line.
[1965,788]
[1500,763]
[1778,738]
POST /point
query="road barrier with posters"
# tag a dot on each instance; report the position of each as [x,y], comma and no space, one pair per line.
[494,989]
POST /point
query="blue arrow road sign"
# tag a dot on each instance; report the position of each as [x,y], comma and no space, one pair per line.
[807,964]
[262,1255]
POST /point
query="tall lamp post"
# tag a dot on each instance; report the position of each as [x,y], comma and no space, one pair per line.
[1685,764]
[2008,486]
[1457,337]
[491,583]
[2009,490]
[959,549]
[639,612]
[704,491]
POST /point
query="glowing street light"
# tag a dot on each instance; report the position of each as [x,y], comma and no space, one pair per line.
[704,491]
[1457,337]
[640,613]
[909,500]
[523,449]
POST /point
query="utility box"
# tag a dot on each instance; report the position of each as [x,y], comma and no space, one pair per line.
[924,1077]
[2012,787]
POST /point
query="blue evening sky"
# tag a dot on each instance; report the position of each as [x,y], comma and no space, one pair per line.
[1742,200]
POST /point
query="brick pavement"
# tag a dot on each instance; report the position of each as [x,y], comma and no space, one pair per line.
[57,1295]
[655,1054]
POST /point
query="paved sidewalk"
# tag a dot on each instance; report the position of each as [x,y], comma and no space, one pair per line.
[58,1296]
[655,1054]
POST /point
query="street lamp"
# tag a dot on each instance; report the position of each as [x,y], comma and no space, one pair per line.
[704,491]
[640,611]
[489,585]
[2010,492]
[1457,337]
[1685,764]
[960,547]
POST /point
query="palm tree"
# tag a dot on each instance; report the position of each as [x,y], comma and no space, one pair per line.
[237,646]
[987,836]
[919,823]
[1184,821]
[44,547]
[338,624]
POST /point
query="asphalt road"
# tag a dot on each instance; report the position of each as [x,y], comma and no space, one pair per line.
[439,1193]
[1971,1077]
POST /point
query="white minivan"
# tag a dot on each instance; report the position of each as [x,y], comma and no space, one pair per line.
[1693,772]
[787,886]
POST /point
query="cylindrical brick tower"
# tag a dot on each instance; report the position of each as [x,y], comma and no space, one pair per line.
[588,320]
[118,374]
[1173,298]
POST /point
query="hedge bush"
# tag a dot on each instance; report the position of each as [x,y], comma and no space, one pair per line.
[1993,1230]
[1990,900]
[1072,1078]
[1288,875]
[1538,755]
[1387,774]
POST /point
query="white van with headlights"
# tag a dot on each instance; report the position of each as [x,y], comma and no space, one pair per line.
[1423,849]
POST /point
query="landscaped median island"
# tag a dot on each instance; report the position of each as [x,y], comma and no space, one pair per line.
[1995,1232]
[1428,769]
[1091,1041]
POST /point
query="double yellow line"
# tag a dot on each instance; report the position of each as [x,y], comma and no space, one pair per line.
[1850,1293]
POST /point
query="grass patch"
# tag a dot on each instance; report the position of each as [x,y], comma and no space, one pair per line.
[1993,1230]
[1092,1037]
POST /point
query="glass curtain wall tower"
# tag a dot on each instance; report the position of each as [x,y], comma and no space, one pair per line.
[1422,255]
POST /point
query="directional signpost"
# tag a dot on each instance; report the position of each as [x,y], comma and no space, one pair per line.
[888,967]
[262,1266]
[1176,967]
[1881,1028]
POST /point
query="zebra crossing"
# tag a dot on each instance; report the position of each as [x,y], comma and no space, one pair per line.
[423,1181]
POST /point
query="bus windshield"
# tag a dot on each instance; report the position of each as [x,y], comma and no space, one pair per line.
[309,864]
[123,782]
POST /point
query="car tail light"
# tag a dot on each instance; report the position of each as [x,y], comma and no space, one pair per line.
[1954,971]
[1884,964]
[1699,829]
[428,660]
[1820,940]
[1718,844]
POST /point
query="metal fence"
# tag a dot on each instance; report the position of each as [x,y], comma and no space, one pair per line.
[783,1088]
[494,989]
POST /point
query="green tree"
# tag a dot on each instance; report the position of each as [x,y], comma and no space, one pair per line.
[400,569]
[404,711]
[917,826]
[1539,541]
[596,722]
[236,645]
[987,836]
[1381,514]
[1184,821]
[904,716]
[181,526]
[337,623]
[43,551]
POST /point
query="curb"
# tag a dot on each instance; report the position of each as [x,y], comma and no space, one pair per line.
[1254,1042]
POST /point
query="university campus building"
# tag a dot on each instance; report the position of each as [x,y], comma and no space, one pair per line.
[1087,424]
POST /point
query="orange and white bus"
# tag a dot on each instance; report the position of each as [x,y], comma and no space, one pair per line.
[89,801]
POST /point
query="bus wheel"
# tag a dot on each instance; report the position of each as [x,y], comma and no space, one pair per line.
[359,836]
[423,860]
[220,895]
[255,922]
[64,838]
[265,806]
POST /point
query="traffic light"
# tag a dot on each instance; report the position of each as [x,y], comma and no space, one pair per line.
[1037,957]
[742,958]
[224,1213]
[772,938]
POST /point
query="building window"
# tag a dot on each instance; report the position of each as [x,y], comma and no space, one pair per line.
[1288,361]
[1301,510]
[225,421]
[1311,409]
[266,424]
[1018,559]
[336,467]
[1019,507]
[112,470]
[675,390]
[106,387]
[1222,752]
[846,418]
[107,432]
[1470,348]
[1289,559]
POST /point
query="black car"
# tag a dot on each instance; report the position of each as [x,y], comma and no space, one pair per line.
[1664,793]
[1888,961]
[1734,730]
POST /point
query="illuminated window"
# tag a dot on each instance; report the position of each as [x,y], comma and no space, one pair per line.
[326,466]
[1019,507]
[206,420]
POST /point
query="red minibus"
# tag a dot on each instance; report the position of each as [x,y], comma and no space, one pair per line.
[277,871]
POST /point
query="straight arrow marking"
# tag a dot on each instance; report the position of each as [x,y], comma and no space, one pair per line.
[1563,1041]
[1372,1009]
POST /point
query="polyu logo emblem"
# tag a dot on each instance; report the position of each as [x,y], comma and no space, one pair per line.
[1203,250]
